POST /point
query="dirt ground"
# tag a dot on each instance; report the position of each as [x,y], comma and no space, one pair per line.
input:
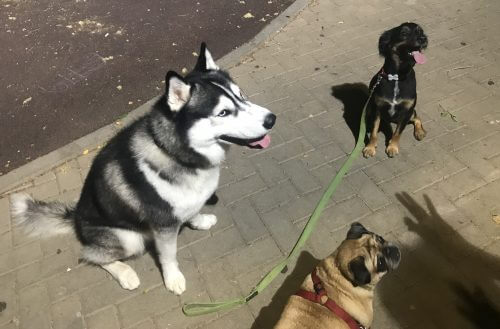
[71,67]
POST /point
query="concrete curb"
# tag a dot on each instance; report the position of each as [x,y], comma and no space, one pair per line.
[21,175]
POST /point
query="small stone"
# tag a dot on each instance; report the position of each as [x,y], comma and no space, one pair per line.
[491,82]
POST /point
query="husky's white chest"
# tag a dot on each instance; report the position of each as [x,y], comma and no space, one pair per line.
[188,194]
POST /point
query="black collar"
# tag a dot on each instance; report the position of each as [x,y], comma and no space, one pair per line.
[388,76]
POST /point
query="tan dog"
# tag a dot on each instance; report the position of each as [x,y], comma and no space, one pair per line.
[346,278]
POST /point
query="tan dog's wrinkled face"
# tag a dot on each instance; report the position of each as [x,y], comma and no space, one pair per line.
[365,257]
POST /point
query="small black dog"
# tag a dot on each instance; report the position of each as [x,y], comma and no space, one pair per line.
[395,97]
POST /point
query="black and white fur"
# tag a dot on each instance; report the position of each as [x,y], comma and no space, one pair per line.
[155,175]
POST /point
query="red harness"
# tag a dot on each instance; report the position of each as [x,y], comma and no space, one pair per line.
[316,297]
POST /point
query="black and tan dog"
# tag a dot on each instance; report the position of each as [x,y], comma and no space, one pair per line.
[339,292]
[395,97]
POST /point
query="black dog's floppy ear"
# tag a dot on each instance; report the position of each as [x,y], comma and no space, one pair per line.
[361,275]
[178,91]
[384,43]
[356,231]
[205,60]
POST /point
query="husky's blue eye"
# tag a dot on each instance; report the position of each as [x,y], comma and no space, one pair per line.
[224,113]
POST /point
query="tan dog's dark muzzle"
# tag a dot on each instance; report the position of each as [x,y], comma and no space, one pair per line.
[392,256]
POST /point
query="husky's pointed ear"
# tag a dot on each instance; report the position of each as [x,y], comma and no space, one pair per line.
[178,91]
[205,60]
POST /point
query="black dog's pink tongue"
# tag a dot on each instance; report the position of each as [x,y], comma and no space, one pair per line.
[264,142]
[419,57]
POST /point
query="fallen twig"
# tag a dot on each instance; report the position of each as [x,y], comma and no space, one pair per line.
[446,112]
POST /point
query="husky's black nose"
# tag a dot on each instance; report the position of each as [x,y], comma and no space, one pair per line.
[269,121]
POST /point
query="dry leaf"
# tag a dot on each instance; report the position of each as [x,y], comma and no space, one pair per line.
[248,15]
[85,152]
[27,100]
[105,59]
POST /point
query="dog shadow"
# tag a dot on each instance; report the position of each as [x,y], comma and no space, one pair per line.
[447,281]
[269,315]
[354,96]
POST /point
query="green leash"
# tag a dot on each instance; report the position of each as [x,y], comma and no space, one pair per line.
[195,309]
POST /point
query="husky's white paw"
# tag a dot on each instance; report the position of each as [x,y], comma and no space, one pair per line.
[129,279]
[124,274]
[175,281]
[203,221]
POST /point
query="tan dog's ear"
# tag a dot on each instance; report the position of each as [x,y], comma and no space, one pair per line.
[356,231]
[361,275]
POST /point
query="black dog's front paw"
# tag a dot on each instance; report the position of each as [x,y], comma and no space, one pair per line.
[369,151]
[392,150]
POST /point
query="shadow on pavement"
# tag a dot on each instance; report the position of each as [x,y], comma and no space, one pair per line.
[447,282]
[354,97]
[269,315]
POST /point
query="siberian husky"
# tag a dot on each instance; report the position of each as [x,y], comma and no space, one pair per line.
[155,175]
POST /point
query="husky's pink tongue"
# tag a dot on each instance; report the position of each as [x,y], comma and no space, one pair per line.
[419,57]
[264,142]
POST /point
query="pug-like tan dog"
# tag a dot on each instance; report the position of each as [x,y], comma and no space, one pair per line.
[338,294]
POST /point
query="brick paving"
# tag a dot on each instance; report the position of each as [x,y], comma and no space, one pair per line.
[451,244]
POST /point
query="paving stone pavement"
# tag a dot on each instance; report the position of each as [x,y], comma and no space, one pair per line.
[445,223]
